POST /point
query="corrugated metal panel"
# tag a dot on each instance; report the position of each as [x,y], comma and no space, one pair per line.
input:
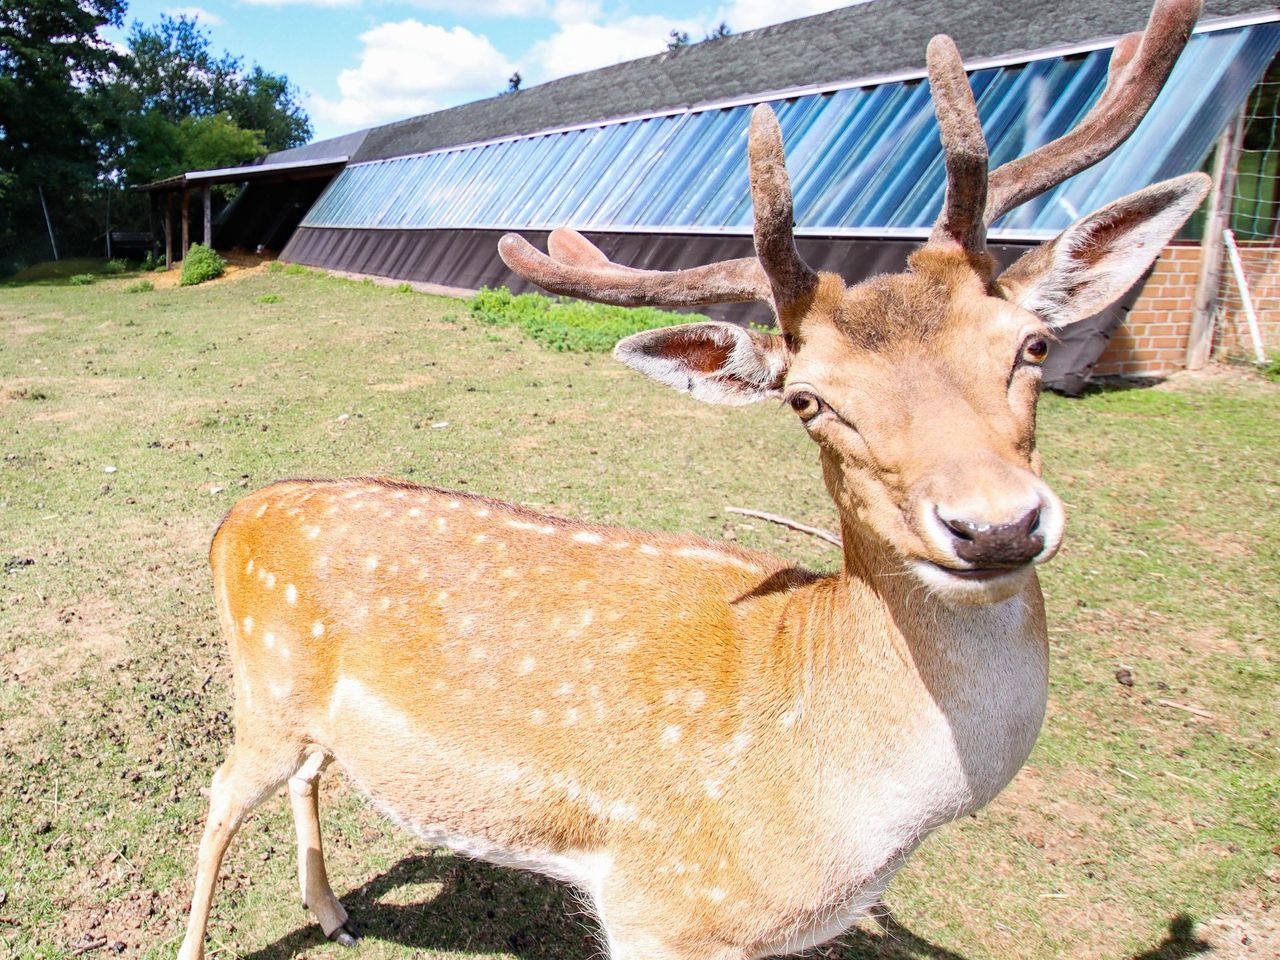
[861,159]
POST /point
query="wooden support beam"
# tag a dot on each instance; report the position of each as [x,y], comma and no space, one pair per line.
[151,219]
[1200,336]
[186,222]
[207,196]
[168,230]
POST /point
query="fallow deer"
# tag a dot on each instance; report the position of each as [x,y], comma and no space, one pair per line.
[728,756]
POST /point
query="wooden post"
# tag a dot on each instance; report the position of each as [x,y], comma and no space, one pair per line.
[186,221]
[208,216]
[1200,338]
[151,219]
[168,230]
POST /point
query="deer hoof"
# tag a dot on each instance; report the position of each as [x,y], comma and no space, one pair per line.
[347,935]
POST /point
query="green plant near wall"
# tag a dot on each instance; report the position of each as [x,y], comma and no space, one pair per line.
[567,324]
[201,264]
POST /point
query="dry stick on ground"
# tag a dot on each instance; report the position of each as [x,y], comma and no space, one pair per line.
[1195,711]
[818,532]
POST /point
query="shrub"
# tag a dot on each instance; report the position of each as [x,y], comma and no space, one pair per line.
[114,268]
[152,262]
[201,264]
[567,324]
[80,279]
[142,286]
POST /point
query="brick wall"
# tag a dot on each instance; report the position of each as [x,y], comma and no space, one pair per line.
[1153,341]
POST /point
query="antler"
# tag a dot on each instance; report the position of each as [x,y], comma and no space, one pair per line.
[1140,65]
[964,149]
[776,275]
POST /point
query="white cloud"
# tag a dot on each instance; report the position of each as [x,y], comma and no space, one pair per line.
[743,15]
[314,3]
[195,13]
[583,45]
[407,68]
[486,8]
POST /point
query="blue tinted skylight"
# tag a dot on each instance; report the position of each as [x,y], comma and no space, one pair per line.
[862,159]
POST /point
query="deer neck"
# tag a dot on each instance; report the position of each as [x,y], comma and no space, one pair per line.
[962,687]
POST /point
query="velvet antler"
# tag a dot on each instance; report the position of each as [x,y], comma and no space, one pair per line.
[575,267]
[1140,65]
[964,149]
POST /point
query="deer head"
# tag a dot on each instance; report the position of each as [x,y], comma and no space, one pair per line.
[919,388]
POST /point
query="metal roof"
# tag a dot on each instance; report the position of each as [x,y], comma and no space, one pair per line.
[864,156]
[870,40]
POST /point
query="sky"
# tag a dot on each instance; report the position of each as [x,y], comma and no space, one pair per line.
[363,62]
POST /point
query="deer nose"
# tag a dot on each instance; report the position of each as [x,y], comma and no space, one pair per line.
[996,545]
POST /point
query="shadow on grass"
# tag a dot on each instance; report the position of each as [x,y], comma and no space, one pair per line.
[1179,943]
[438,902]
[472,907]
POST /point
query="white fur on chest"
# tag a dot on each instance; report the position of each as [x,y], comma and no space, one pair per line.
[956,751]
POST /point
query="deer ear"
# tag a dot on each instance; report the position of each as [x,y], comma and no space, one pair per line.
[1094,261]
[714,362]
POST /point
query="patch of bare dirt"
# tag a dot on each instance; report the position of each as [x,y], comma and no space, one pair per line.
[411,382]
[98,631]
[239,266]
[1251,931]
[1216,375]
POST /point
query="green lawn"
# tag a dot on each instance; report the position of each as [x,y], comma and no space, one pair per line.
[129,422]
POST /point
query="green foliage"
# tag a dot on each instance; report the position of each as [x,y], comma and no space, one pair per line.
[81,279]
[201,264]
[270,298]
[113,268]
[404,288]
[1271,369]
[142,286]
[152,262]
[567,324]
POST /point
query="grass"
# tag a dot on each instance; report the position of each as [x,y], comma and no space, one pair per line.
[128,425]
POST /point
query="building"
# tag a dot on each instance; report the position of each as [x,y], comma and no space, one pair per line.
[648,157]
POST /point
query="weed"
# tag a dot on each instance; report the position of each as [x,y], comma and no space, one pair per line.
[200,265]
[81,279]
[270,298]
[113,268]
[275,266]
[1271,369]
[142,286]
[298,270]
[405,288]
[566,324]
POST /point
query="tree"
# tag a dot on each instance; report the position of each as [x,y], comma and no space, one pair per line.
[677,39]
[513,82]
[50,55]
[268,102]
[720,31]
[173,69]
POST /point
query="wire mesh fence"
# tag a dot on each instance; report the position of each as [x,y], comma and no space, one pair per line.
[1251,271]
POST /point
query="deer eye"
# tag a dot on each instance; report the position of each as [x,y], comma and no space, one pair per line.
[1035,350]
[806,404]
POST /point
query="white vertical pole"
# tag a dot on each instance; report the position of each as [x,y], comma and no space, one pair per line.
[1229,238]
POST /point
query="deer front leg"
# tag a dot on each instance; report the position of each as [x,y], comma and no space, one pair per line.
[313,880]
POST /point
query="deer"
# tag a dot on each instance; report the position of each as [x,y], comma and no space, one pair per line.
[726,755]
